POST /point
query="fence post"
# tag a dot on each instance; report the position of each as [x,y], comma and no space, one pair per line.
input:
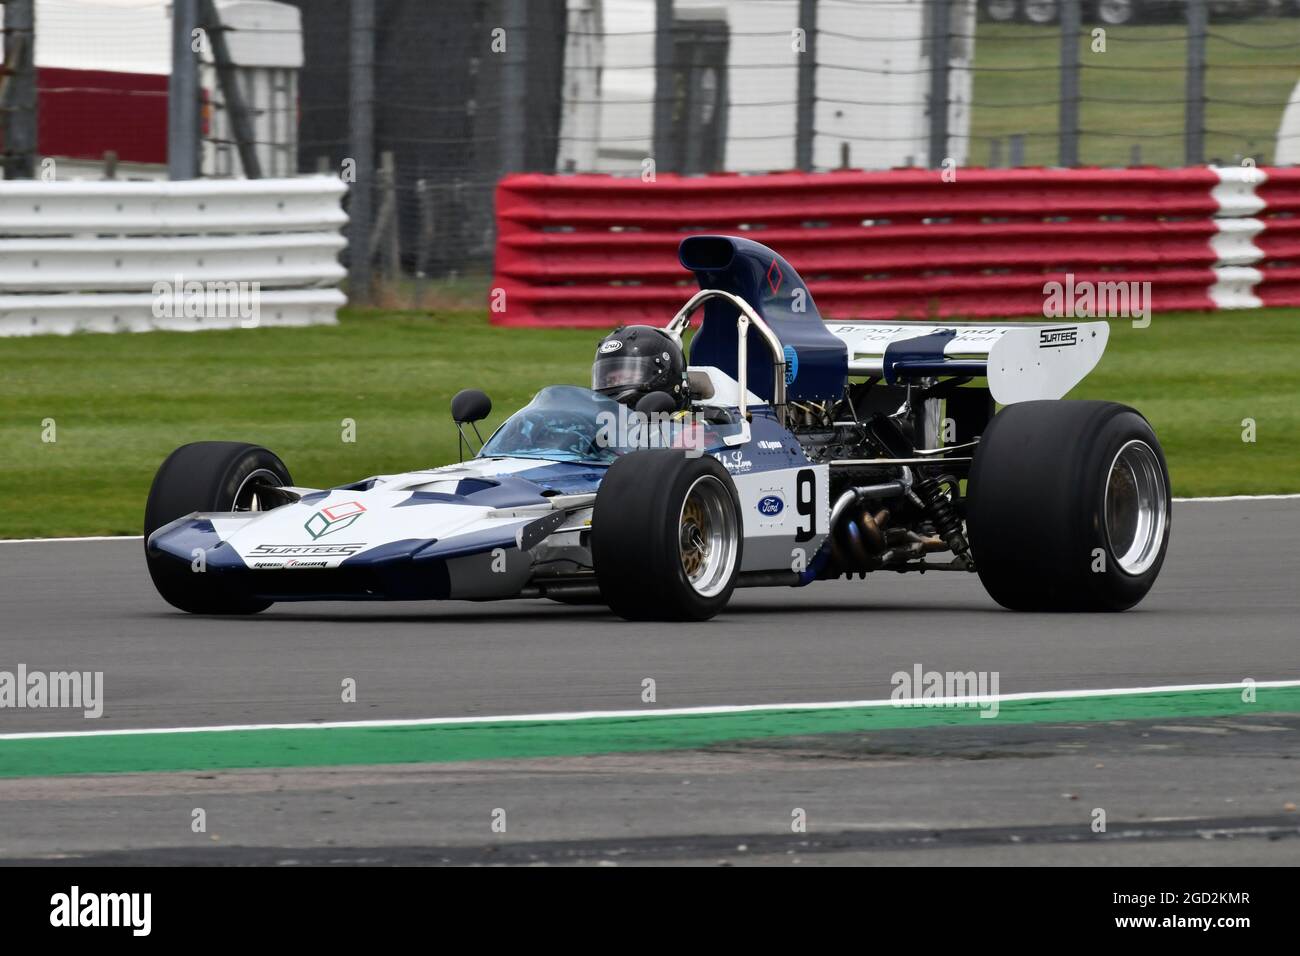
[807,86]
[1194,119]
[514,88]
[940,26]
[662,145]
[18,91]
[241,121]
[1071,23]
[386,235]
[183,94]
[427,233]
[361,144]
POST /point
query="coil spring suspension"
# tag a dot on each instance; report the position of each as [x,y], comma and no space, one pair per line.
[944,514]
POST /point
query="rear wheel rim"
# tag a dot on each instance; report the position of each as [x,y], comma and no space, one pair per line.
[707,536]
[1000,11]
[1136,507]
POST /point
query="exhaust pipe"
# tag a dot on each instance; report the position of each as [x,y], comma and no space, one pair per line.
[858,537]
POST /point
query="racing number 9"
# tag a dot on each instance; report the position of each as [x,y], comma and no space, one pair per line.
[805,500]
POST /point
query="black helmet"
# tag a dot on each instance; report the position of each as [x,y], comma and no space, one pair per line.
[633,361]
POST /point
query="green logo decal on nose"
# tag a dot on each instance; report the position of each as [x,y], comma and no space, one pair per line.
[334,518]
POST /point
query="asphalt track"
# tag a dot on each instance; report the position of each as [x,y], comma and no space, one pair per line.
[1193,790]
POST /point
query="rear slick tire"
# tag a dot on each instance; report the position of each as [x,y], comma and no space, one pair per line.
[1068,507]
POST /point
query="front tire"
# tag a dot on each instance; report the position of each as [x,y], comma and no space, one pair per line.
[666,536]
[207,476]
[1068,507]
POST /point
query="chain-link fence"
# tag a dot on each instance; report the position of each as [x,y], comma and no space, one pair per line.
[17,90]
[639,87]
[435,116]
[1170,84]
[423,106]
[87,88]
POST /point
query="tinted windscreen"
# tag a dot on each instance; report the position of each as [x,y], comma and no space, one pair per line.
[568,423]
[562,422]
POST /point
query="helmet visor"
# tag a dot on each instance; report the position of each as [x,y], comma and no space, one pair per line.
[622,372]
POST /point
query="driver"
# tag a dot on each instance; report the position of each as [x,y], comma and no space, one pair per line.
[636,360]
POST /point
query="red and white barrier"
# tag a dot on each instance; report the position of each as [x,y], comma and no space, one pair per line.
[1279,241]
[598,251]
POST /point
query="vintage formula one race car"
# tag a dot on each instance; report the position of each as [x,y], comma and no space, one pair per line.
[787,450]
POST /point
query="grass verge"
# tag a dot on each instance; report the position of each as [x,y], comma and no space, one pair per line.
[1134,92]
[121,403]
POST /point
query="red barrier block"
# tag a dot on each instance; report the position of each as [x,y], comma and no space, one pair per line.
[598,251]
[1280,192]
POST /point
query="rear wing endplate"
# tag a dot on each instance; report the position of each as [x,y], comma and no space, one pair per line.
[1022,362]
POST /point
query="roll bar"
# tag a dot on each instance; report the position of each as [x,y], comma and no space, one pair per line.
[746,317]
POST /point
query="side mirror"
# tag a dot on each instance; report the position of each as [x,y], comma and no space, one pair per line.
[468,406]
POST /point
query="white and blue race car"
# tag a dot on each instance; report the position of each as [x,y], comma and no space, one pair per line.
[800,450]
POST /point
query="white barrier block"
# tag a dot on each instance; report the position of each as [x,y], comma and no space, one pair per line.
[112,264]
[1234,245]
[195,207]
[104,256]
[1235,192]
[23,315]
[1234,287]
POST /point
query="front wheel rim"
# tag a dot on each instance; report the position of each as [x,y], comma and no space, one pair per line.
[1136,507]
[707,536]
[249,495]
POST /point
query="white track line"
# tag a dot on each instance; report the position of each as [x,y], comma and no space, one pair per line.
[117,537]
[565,716]
[1243,498]
[138,537]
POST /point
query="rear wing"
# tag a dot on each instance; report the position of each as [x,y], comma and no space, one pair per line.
[1022,362]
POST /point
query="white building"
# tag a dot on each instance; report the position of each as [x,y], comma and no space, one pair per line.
[736,84]
[101,73]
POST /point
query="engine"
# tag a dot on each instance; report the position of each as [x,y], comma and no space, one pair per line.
[896,489]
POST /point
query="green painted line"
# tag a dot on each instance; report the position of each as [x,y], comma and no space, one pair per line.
[440,743]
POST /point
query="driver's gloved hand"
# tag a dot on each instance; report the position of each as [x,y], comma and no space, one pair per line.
[711,415]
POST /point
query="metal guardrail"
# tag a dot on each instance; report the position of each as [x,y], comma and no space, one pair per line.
[90,256]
